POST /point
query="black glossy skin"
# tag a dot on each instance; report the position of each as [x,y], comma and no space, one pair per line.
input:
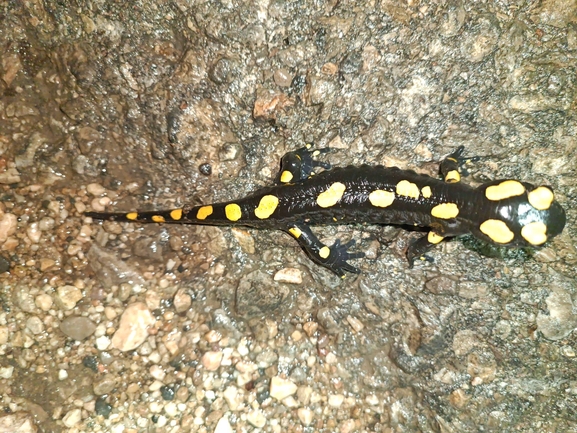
[297,207]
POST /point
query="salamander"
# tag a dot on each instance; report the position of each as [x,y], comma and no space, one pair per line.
[504,212]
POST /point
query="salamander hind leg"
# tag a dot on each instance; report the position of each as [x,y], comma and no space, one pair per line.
[453,166]
[299,165]
[419,247]
[334,257]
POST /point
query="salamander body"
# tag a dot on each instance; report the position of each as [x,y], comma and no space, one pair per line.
[504,212]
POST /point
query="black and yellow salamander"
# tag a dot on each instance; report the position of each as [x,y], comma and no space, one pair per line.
[503,212]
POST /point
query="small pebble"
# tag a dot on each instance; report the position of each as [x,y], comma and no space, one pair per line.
[223,426]
[289,275]
[211,360]
[133,327]
[77,327]
[33,232]
[8,225]
[68,296]
[305,416]
[72,418]
[256,418]
[182,301]
[35,325]
[336,400]
[44,301]
[281,388]
[95,189]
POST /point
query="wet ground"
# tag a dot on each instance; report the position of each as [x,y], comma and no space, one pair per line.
[109,327]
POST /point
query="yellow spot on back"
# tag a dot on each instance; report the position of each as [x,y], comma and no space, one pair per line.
[497,230]
[176,214]
[132,216]
[434,238]
[232,212]
[266,206]
[453,176]
[324,252]
[296,232]
[535,233]
[286,176]
[506,189]
[426,191]
[332,195]
[541,198]
[204,212]
[158,218]
[381,198]
[408,189]
[445,211]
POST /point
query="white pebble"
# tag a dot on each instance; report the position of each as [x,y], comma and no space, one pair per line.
[336,400]
[281,388]
[102,343]
[62,374]
[305,415]
[68,296]
[33,232]
[256,418]
[95,189]
[211,360]
[289,275]
[6,372]
[72,418]
[223,426]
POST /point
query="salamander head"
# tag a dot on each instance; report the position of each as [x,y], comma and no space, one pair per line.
[522,215]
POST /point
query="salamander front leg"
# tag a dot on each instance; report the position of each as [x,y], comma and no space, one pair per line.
[453,166]
[299,165]
[419,247]
[334,257]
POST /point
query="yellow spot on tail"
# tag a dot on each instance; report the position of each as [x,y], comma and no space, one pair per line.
[535,233]
[204,212]
[266,207]
[176,214]
[296,232]
[324,252]
[426,191]
[497,230]
[453,176]
[408,189]
[381,198]
[445,211]
[232,212]
[158,218]
[541,198]
[332,195]
[506,189]
[434,238]
[132,216]
[286,176]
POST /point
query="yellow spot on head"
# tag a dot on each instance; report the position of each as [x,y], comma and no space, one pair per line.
[434,238]
[132,216]
[506,189]
[445,211]
[158,218]
[232,212]
[324,252]
[296,232]
[286,176]
[331,196]
[497,230]
[541,198]
[266,206]
[426,191]
[176,214]
[381,198]
[535,233]
[453,176]
[204,212]
[408,189]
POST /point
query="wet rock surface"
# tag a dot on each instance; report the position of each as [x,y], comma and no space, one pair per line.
[110,327]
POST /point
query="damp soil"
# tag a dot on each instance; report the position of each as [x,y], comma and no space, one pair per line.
[109,327]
